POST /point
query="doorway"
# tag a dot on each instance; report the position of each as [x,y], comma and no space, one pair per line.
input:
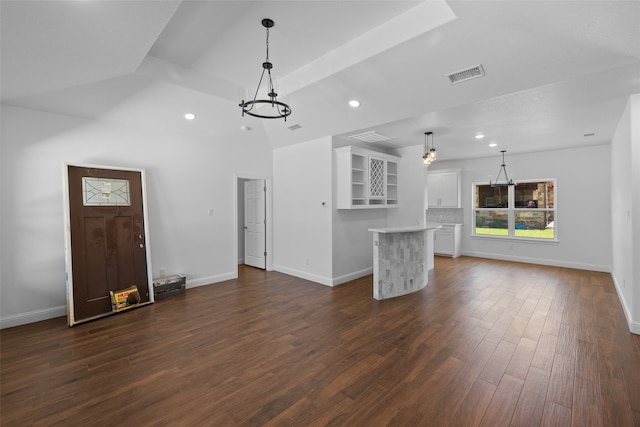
[106,243]
[253,211]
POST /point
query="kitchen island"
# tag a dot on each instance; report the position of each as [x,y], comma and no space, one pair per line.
[402,259]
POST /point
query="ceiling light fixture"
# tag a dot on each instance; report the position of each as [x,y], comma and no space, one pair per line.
[354,103]
[507,180]
[429,153]
[266,108]
[480,136]
[189,116]
[493,144]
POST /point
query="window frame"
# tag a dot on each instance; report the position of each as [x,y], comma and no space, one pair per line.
[512,211]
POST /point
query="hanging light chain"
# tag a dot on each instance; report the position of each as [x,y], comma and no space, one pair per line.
[267,43]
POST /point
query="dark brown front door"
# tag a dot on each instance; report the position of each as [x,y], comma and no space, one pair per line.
[107,237]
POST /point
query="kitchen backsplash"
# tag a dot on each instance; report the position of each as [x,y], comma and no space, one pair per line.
[446,215]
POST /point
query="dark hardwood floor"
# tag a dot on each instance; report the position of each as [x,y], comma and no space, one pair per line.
[486,343]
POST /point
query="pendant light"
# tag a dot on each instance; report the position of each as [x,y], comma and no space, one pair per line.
[507,181]
[266,108]
[429,153]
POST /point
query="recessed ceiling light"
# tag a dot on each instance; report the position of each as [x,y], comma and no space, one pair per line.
[354,103]
[480,136]
[189,116]
[493,144]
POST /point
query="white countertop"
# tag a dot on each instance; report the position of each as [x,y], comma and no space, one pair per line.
[407,229]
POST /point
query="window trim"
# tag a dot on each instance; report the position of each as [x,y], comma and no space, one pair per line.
[511,213]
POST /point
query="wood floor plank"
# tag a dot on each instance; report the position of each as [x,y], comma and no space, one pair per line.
[556,415]
[531,403]
[472,409]
[503,404]
[498,362]
[561,383]
[545,352]
[586,397]
[521,359]
[486,342]
[587,361]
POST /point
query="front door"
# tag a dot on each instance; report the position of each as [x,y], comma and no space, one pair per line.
[255,223]
[107,238]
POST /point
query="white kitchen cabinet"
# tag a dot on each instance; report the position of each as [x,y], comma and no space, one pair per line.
[365,179]
[447,240]
[443,189]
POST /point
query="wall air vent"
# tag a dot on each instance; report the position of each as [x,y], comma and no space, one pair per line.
[467,74]
[370,137]
[294,127]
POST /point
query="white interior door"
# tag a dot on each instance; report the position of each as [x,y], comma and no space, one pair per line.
[255,223]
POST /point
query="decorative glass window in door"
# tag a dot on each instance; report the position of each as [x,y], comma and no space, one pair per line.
[105,192]
[376,178]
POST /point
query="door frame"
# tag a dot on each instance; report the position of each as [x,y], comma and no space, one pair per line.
[268,215]
[68,275]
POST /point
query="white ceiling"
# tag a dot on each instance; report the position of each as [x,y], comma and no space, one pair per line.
[555,70]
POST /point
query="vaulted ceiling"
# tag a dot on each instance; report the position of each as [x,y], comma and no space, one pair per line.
[555,70]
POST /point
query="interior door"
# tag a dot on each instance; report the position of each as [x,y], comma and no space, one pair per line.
[107,238]
[255,223]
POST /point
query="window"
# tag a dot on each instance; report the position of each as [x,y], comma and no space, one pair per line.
[526,210]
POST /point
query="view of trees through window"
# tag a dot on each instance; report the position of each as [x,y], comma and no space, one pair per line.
[524,210]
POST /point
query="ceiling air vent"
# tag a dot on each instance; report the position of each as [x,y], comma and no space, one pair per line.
[372,136]
[294,127]
[467,74]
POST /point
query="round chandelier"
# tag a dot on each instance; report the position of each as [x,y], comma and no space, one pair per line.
[266,108]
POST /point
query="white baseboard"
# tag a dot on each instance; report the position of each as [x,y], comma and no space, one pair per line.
[541,261]
[32,316]
[351,276]
[203,281]
[634,325]
[335,281]
[53,312]
[304,275]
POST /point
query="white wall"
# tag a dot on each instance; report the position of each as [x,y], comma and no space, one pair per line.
[302,224]
[185,178]
[411,189]
[583,206]
[625,211]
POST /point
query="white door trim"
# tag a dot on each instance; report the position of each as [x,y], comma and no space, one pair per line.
[268,214]
[255,206]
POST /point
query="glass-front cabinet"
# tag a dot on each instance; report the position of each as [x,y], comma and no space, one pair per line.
[365,179]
